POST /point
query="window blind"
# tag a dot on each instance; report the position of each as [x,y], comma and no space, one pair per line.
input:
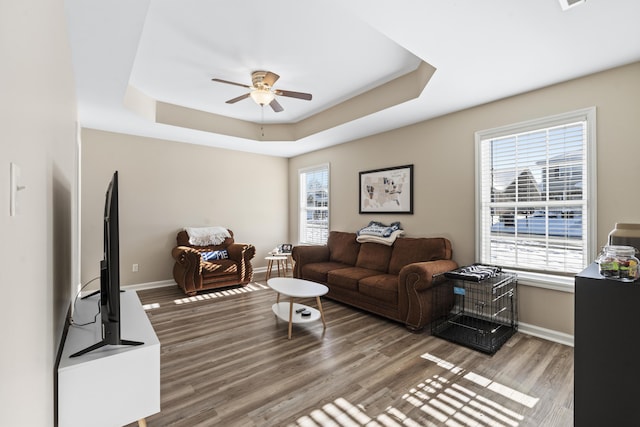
[533,194]
[314,204]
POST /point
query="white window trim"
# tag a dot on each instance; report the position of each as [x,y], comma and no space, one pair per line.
[548,281]
[299,207]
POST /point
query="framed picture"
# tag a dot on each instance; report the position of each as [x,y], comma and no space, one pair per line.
[388,190]
[285,248]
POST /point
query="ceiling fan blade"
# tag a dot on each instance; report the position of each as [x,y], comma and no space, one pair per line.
[270,78]
[239,98]
[291,94]
[276,106]
[230,83]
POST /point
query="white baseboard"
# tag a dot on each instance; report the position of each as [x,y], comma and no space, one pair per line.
[547,334]
[149,285]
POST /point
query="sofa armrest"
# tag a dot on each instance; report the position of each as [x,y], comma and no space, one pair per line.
[243,253]
[306,255]
[414,291]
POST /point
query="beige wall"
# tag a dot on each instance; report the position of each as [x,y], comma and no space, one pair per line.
[442,151]
[38,130]
[165,186]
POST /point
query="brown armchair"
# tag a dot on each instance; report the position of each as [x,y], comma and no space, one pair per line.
[193,274]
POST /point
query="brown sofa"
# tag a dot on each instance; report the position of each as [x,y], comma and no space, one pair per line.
[193,274]
[391,281]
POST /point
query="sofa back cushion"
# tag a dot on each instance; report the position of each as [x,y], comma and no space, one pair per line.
[343,247]
[407,250]
[374,256]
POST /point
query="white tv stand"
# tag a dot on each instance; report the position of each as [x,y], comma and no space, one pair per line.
[112,385]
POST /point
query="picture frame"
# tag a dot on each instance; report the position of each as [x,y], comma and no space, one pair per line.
[285,248]
[386,191]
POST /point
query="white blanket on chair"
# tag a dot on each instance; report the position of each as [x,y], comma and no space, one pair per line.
[205,236]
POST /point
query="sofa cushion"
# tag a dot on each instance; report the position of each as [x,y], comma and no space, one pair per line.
[374,257]
[343,247]
[348,278]
[383,287]
[407,250]
[317,271]
[218,272]
[221,266]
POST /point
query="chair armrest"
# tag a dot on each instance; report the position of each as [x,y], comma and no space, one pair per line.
[306,255]
[187,269]
[243,253]
[414,290]
[179,252]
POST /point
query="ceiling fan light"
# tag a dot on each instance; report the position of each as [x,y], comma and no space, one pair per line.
[262,96]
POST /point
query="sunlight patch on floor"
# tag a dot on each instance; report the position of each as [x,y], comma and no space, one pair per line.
[403,420]
[439,398]
[150,306]
[252,287]
[453,404]
[515,395]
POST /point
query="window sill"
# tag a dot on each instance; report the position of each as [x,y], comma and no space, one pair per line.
[546,281]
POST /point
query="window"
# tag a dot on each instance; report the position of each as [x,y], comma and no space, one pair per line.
[535,194]
[313,215]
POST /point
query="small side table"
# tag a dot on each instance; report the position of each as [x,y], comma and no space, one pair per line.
[281,263]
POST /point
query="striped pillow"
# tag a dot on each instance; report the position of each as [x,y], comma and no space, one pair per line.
[214,255]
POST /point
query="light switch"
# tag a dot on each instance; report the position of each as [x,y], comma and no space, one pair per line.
[14,183]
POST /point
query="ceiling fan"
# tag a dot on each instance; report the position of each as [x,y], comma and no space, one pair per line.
[262,91]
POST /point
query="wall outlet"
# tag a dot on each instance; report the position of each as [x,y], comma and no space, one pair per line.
[134,268]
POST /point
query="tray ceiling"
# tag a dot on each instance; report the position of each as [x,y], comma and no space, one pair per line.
[145,67]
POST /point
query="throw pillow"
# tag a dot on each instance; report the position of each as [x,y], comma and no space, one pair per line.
[214,255]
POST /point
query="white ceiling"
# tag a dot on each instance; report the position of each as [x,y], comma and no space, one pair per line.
[482,51]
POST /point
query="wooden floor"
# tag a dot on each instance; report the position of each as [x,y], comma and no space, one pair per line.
[226,361]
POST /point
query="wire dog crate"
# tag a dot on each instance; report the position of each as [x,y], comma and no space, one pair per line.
[484,313]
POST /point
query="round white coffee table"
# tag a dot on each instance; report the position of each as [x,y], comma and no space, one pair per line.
[297,288]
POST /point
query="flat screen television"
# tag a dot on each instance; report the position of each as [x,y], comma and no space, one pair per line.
[110,275]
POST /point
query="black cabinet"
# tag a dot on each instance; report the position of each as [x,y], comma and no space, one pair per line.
[607,365]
